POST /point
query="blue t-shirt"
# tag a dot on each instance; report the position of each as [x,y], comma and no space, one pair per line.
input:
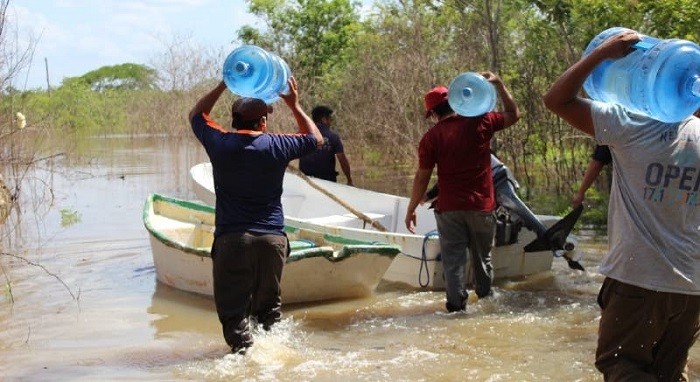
[248,169]
[602,154]
[321,163]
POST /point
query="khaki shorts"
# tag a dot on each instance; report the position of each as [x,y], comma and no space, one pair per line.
[645,335]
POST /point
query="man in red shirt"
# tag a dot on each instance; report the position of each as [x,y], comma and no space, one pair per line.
[460,147]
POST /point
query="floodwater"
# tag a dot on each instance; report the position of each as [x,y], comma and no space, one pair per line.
[80,300]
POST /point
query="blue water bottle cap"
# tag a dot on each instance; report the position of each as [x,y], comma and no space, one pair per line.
[695,87]
[470,94]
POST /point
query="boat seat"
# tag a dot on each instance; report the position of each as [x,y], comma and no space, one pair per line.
[298,244]
[202,236]
[346,220]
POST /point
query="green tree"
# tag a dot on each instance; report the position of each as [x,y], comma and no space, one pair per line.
[73,106]
[124,76]
[672,18]
[313,35]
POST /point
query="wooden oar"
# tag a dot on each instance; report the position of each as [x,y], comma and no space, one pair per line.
[345,205]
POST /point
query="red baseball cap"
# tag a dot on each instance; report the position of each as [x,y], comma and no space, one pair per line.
[434,97]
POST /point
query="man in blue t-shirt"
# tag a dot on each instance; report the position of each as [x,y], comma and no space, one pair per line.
[321,163]
[250,246]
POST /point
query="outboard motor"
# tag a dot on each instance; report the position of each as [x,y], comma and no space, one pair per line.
[512,214]
[505,187]
[508,224]
[554,238]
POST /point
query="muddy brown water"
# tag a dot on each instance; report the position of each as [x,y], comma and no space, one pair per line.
[88,307]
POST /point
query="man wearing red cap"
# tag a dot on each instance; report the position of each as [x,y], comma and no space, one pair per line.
[460,147]
[250,246]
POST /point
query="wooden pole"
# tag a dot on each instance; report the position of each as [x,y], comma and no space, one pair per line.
[345,205]
[48,82]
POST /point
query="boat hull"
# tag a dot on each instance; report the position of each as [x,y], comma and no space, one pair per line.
[181,234]
[322,205]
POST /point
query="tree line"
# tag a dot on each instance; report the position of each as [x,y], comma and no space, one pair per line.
[372,66]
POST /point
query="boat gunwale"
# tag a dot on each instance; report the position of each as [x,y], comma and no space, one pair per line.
[348,247]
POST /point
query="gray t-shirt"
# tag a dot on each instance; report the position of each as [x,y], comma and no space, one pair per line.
[654,212]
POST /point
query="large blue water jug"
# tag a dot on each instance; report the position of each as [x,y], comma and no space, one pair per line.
[660,78]
[251,71]
[470,94]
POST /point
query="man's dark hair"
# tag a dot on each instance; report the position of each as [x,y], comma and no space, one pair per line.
[443,109]
[247,112]
[246,125]
[321,111]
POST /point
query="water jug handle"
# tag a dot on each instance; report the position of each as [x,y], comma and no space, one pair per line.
[642,45]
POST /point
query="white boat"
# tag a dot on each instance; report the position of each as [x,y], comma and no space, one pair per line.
[374,216]
[320,267]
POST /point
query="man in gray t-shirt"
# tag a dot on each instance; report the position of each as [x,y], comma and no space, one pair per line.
[650,299]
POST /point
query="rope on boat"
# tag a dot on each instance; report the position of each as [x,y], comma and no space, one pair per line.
[424,260]
[377,225]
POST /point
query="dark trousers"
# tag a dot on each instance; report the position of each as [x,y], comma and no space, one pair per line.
[645,335]
[463,232]
[247,270]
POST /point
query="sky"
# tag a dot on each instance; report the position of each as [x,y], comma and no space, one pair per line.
[74,37]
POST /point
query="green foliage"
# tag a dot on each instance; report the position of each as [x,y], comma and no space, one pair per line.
[250,35]
[122,77]
[312,34]
[373,157]
[596,208]
[671,18]
[658,18]
[69,217]
[374,69]
[75,108]
[72,106]
[594,16]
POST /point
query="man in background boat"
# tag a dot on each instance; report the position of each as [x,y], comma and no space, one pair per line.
[321,163]
[250,246]
[650,298]
[600,158]
[466,222]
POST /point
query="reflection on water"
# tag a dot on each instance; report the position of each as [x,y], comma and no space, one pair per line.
[174,311]
[123,325]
